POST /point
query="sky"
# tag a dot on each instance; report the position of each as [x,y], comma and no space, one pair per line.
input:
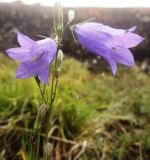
[89,3]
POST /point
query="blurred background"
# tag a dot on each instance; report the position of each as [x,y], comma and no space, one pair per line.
[103,117]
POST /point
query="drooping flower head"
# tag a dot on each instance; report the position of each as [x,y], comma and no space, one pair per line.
[109,43]
[34,57]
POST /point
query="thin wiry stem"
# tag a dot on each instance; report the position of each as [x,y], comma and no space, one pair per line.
[38,145]
[51,102]
[41,90]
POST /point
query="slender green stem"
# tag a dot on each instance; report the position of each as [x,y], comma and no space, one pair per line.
[37,135]
[44,89]
[51,102]
[54,84]
[42,94]
[38,145]
[41,91]
[31,150]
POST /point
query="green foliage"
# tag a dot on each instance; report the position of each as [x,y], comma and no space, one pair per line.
[104,117]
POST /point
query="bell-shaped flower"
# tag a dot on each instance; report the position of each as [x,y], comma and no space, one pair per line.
[34,57]
[109,43]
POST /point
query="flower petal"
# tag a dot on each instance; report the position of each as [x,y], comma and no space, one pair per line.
[123,55]
[24,41]
[112,65]
[46,44]
[114,31]
[129,40]
[42,65]
[49,48]
[92,34]
[98,27]
[44,61]
[132,29]
[26,70]
[19,54]
[43,74]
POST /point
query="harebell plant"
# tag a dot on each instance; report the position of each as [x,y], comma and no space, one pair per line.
[35,59]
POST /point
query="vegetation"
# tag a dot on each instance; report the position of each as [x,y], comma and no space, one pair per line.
[97,116]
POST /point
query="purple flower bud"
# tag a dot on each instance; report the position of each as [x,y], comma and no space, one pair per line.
[108,43]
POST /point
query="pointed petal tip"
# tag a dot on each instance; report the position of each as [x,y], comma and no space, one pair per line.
[19,35]
[130,40]
[130,61]
[114,72]
[139,39]
[24,40]
[8,51]
[21,76]
[47,83]
[112,65]
[44,77]
[131,64]
[18,76]
[142,39]
[44,81]
[132,29]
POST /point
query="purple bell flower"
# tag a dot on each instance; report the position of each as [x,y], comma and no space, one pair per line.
[108,43]
[34,57]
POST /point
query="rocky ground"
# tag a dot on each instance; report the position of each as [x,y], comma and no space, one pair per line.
[33,20]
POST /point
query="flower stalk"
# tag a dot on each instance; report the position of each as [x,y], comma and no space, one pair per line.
[58,32]
[37,130]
